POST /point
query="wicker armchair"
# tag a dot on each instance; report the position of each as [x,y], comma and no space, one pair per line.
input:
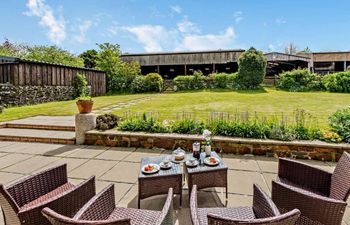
[319,195]
[23,201]
[263,212]
[101,210]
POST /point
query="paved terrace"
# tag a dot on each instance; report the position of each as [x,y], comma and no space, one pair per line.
[121,167]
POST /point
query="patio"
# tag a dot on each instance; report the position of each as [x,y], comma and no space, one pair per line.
[121,167]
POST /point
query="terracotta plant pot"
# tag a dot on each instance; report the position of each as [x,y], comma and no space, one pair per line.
[85,106]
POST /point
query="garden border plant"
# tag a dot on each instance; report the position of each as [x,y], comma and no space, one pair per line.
[244,125]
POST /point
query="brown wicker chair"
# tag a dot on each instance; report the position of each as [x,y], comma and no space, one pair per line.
[319,195]
[101,210]
[23,201]
[263,212]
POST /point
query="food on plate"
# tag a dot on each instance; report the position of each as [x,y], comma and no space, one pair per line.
[149,168]
[213,160]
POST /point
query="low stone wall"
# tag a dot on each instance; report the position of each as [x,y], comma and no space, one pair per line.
[26,95]
[297,149]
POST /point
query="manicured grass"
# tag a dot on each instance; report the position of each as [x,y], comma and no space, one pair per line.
[62,108]
[268,101]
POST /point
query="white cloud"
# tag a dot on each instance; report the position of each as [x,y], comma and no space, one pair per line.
[82,29]
[238,16]
[176,8]
[56,26]
[155,38]
[186,26]
[271,48]
[113,29]
[280,21]
[209,41]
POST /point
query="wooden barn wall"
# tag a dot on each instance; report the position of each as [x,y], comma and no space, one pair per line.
[184,58]
[331,57]
[31,74]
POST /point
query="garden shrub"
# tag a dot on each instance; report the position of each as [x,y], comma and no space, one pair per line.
[232,81]
[144,123]
[183,83]
[219,80]
[79,85]
[299,80]
[190,82]
[329,136]
[138,85]
[2,109]
[154,82]
[338,82]
[187,126]
[106,121]
[198,80]
[340,123]
[252,69]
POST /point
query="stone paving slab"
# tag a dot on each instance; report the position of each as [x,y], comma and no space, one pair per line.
[37,133]
[121,167]
[92,167]
[46,120]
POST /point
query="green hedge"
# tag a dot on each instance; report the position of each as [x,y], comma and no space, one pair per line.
[198,81]
[299,80]
[152,82]
[338,82]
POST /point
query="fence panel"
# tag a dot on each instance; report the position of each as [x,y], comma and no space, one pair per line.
[27,73]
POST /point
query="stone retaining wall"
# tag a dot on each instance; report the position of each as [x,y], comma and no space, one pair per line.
[297,149]
[25,95]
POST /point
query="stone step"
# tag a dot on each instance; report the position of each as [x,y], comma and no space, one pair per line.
[40,127]
[61,123]
[37,135]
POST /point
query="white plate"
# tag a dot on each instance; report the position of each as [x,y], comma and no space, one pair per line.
[207,162]
[156,168]
[194,164]
[162,165]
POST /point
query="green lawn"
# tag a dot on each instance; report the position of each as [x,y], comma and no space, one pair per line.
[62,108]
[267,102]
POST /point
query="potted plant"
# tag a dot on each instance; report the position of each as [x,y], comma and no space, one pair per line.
[85,104]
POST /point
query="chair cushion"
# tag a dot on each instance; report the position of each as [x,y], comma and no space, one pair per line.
[340,183]
[240,213]
[47,196]
[136,216]
[306,191]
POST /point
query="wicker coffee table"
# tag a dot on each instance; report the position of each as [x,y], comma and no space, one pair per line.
[160,182]
[207,176]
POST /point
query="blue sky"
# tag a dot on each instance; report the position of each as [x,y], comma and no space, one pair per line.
[154,26]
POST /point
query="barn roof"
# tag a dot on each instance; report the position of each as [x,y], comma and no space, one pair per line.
[184,58]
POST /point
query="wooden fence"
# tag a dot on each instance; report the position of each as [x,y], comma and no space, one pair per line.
[45,74]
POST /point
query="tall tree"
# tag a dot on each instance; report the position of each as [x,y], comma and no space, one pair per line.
[291,49]
[51,54]
[90,58]
[119,74]
[306,50]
